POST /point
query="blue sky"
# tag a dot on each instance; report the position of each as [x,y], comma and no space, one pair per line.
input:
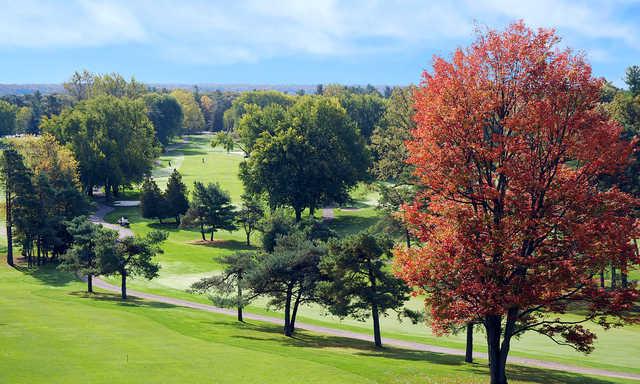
[288,42]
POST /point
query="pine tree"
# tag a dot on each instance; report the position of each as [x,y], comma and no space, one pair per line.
[152,201]
[176,196]
[16,179]
[250,214]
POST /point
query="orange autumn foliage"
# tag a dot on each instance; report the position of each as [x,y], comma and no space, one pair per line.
[508,149]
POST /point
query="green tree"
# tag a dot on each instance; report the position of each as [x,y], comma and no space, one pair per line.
[210,210]
[16,182]
[112,139]
[365,110]
[288,275]
[82,257]
[24,116]
[632,78]
[278,223]
[165,113]
[390,166]
[260,99]
[115,85]
[358,282]
[54,196]
[131,256]
[176,196]
[7,118]
[220,103]
[152,201]
[80,85]
[250,214]
[313,154]
[254,123]
[193,120]
[228,289]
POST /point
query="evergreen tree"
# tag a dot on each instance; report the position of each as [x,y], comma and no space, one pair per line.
[632,78]
[7,118]
[82,257]
[16,181]
[250,214]
[228,288]
[176,196]
[288,275]
[152,201]
[210,210]
[130,256]
[358,282]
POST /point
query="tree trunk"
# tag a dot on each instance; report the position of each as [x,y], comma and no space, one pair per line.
[123,289]
[239,304]
[602,284]
[407,237]
[212,232]
[177,219]
[624,280]
[292,322]
[376,326]
[160,219]
[468,356]
[202,232]
[497,364]
[375,316]
[107,190]
[248,239]
[613,277]
[298,214]
[38,250]
[9,220]
[287,312]
[89,283]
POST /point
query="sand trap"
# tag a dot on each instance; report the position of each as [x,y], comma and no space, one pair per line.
[126,203]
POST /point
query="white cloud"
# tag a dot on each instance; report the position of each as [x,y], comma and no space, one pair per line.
[245,31]
[47,24]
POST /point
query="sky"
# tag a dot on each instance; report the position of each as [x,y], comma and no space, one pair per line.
[288,41]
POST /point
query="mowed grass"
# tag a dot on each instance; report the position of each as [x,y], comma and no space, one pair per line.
[196,160]
[185,261]
[52,332]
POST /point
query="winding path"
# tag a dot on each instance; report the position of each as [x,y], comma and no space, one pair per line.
[98,218]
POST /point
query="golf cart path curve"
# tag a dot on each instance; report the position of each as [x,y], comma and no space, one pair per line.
[98,218]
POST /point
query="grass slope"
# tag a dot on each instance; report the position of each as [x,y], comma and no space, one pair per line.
[52,332]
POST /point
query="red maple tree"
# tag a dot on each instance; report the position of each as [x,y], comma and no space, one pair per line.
[508,148]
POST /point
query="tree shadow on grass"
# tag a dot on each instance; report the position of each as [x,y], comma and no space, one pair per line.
[232,245]
[547,376]
[193,151]
[303,339]
[49,274]
[115,298]
[364,348]
[351,224]
[170,226]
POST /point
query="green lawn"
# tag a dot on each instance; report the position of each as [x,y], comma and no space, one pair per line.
[188,155]
[52,332]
